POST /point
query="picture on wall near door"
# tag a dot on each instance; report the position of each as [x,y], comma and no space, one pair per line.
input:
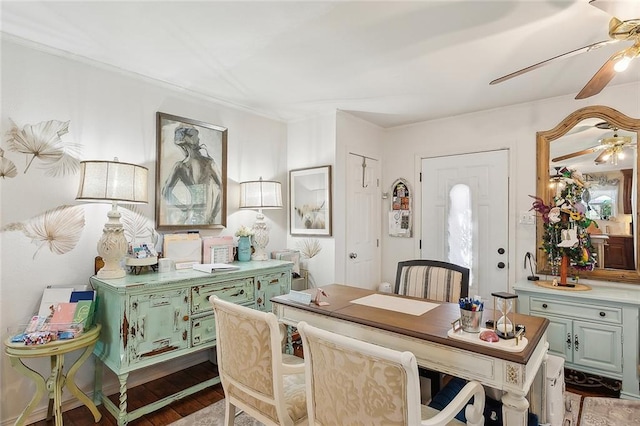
[191,174]
[310,201]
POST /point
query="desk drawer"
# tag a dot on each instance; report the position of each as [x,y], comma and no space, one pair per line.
[235,291]
[203,330]
[606,314]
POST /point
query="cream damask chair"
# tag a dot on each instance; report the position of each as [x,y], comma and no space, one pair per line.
[255,375]
[353,382]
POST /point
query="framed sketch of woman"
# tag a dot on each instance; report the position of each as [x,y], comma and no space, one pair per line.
[191,174]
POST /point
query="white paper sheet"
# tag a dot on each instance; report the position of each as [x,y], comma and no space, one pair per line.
[397,304]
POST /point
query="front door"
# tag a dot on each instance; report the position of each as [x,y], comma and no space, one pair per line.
[363,222]
[465,216]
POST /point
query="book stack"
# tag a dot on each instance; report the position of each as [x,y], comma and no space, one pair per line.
[64,313]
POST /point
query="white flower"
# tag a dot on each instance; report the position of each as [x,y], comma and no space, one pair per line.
[243,231]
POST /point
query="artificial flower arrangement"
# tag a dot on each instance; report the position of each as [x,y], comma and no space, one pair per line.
[565,224]
[243,231]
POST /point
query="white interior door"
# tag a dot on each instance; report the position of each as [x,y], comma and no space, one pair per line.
[363,222]
[484,177]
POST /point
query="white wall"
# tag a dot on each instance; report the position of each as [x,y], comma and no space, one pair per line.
[513,128]
[312,143]
[111,114]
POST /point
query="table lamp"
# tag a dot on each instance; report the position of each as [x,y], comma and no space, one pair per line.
[260,194]
[112,181]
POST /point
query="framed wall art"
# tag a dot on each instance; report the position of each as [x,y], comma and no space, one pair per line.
[191,174]
[310,201]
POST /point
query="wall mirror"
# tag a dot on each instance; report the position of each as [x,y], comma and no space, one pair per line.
[600,143]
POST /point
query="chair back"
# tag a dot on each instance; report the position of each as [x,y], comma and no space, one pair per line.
[350,381]
[353,382]
[432,279]
[250,364]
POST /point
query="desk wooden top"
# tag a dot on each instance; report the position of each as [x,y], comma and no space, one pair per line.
[431,326]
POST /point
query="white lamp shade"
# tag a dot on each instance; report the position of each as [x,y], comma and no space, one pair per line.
[112,181]
[260,194]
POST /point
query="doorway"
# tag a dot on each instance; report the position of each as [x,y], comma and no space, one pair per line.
[363,222]
[465,216]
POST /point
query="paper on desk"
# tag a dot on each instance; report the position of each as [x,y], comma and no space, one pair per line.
[398,304]
[212,267]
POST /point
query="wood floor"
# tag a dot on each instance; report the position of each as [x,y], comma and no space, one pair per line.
[143,394]
[152,391]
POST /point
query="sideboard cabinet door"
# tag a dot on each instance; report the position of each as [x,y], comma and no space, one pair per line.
[158,324]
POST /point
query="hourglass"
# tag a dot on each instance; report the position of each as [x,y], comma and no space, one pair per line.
[504,303]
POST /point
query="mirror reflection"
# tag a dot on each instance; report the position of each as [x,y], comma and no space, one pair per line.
[601,145]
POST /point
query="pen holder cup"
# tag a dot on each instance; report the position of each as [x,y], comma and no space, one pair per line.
[470,320]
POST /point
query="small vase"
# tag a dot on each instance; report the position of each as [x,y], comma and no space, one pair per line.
[244,249]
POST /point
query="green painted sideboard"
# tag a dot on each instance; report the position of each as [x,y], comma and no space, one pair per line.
[156,317]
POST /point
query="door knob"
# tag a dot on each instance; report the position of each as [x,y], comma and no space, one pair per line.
[353,255]
[500,250]
[501,265]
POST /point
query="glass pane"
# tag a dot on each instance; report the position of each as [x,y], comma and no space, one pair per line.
[460,227]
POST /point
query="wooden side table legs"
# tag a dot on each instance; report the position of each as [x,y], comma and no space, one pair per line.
[40,387]
[73,388]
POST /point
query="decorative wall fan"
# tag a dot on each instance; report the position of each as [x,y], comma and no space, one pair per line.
[611,148]
[619,30]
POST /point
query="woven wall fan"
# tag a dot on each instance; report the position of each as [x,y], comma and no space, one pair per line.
[619,30]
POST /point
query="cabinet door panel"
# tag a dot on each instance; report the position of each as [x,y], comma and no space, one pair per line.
[598,346]
[271,285]
[558,332]
[158,323]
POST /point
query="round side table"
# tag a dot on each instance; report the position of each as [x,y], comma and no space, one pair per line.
[57,380]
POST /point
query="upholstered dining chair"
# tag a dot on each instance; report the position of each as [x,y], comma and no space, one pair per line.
[256,376]
[434,280]
[350,381]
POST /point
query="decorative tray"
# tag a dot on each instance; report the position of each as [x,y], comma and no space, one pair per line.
[502,344]
[549,284]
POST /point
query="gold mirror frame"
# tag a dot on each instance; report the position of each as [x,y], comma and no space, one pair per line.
[543,140]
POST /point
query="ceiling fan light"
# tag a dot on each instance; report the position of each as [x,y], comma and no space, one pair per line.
[622,64]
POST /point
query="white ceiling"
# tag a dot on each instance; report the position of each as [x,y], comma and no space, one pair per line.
[389,62]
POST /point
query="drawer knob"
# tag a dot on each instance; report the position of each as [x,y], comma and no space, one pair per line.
[603,314]
[544,305]
[185,318]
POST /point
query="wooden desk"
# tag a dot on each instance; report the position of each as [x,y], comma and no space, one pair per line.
[426,336]
[17,352]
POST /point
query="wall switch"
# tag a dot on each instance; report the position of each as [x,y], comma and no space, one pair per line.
[527,218]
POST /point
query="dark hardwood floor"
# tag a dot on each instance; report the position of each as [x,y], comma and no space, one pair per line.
[152,391]
[149,392]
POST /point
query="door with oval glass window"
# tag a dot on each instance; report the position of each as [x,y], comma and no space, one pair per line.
[465,216]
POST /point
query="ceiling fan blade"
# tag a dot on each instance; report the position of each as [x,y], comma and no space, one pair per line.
[576,154]
[555,58]
[600,79]
[601,158]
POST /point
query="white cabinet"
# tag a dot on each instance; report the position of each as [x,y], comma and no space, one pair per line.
[152,318]
[595,331]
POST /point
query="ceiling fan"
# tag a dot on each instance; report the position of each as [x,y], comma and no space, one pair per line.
[611,148]
[619,30]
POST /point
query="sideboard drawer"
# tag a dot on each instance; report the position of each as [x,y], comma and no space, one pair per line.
[235,291]
[203,330]
[607,314]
